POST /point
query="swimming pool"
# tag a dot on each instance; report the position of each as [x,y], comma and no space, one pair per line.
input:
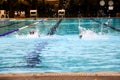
[63,51]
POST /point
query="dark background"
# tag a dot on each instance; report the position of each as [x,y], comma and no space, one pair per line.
[49,8]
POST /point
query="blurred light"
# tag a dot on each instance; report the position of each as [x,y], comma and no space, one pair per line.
[102,3]
[110,3]
[110,7]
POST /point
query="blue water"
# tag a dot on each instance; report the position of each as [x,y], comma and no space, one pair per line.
[64,51]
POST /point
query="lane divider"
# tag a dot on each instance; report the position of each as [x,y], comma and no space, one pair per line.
[12,24]
[16,23]
[6,33]
[28,25]
[106,25]
[53,29]
[18,29]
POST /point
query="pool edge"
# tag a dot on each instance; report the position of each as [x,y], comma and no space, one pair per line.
[61,76]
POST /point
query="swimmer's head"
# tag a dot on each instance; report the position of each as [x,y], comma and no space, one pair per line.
[80,36]
[32,32]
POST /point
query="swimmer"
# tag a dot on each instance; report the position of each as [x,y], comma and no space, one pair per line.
[82,30]
[32,32]
[80,36]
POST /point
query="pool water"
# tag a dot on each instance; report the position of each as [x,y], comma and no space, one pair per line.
[64,51]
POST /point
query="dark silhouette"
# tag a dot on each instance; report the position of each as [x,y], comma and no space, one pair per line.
[53,29]
[33,58]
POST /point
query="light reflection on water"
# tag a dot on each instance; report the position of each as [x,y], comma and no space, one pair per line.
[60,52]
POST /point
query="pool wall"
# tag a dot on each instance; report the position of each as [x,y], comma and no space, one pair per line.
[62,76]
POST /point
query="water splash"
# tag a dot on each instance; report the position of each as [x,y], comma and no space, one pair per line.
[108,21]
[34,35]
[90,35]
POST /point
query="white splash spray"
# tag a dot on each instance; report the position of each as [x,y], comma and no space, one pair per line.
[90,35]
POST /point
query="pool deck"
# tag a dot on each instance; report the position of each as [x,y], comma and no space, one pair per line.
[61,76]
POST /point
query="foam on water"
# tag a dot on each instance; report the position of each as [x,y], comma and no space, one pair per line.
[35,35]
[90,35]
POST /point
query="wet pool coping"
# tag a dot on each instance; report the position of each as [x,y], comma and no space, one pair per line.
[61,76]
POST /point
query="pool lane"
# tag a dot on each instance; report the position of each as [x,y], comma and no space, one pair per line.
[11,24]
[12,30]
[105,24]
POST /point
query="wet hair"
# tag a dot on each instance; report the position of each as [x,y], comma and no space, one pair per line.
[80,36]
[32,32]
